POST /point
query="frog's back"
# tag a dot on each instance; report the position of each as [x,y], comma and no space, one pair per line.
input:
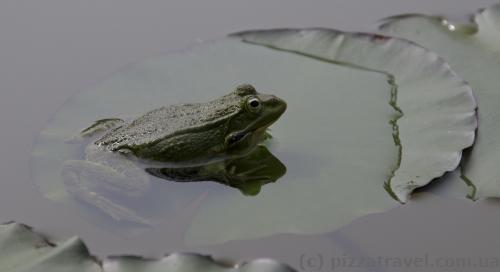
[171,120]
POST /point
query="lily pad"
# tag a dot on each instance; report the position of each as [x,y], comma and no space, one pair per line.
[182,262]
[22,249]
[434,121]
[438,110]
[473,51]
[335,141]
[339,140]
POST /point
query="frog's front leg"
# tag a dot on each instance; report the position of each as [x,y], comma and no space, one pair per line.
[84,179]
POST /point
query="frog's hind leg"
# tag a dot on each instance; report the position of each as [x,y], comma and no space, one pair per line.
[97,127]
[82,179]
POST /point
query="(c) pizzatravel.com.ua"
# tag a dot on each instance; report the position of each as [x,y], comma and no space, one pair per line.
[322,262]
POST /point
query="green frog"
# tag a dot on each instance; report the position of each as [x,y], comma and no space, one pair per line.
[183,135]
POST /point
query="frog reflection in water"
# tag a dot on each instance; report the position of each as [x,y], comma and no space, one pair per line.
[193,138]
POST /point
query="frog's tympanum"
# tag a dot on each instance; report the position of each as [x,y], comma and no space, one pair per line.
[211,139]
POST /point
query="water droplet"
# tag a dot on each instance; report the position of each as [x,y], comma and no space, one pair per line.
[448,25]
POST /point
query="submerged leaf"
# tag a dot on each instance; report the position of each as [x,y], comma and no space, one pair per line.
[476,56]
[438,110]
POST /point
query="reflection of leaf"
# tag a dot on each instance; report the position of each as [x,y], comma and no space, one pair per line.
[476,56]
[248,174]
[438,108]
[24,250]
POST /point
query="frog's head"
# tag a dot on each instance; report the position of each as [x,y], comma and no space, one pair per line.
[257,112]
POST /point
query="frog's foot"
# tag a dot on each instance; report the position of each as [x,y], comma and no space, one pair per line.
[97,127]
[267,135]
[82,178]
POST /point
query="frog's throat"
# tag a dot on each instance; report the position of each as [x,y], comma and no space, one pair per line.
[253,130]
[235,138]
[243,135]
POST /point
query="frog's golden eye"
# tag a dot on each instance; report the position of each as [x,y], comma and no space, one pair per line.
[254,104]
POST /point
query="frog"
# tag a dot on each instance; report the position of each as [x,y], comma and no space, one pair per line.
[179,135]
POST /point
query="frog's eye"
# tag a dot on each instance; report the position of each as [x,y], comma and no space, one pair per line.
[254,104]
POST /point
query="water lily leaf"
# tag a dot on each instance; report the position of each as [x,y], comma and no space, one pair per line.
[190,263]
[339,139]
[436,112]
[24,250]
[335,141]
[438,109]
[21,249]
[473,51]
